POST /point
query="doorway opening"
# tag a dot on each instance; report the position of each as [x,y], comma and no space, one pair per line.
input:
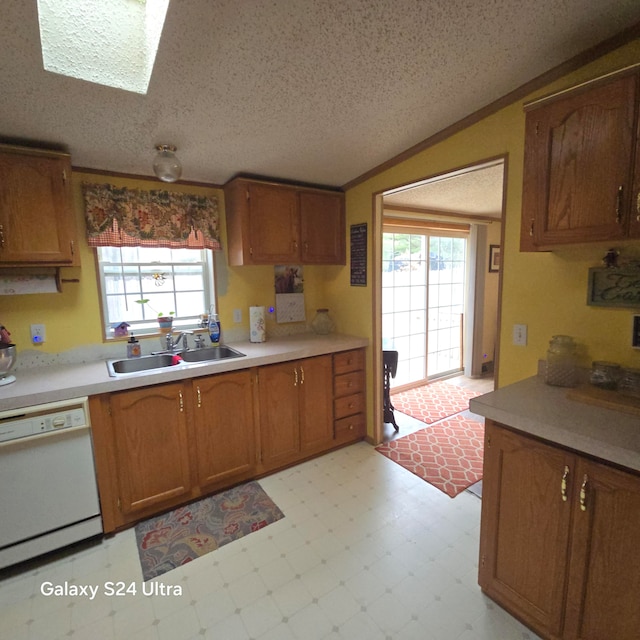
[436,291]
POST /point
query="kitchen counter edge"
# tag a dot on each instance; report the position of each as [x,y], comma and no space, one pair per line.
[41,385]
[535,408]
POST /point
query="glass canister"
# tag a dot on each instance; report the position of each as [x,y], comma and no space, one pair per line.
[322,323]
[629,384]
[562,364]
[605,374]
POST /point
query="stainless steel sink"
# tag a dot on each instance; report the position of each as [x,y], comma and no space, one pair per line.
[210,353]
[135,365]
[162,360]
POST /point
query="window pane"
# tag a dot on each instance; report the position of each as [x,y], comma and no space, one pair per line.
[171,280]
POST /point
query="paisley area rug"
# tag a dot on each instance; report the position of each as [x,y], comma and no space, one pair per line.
[447,455]
[433,401]
[184,534]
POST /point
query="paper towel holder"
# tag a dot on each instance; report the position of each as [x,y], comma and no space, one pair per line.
[25,275]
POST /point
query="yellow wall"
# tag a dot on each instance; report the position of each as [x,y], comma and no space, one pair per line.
[545,291]
[72,318]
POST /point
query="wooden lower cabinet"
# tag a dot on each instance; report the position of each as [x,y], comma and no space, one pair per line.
[296,416]
[151,439]
[560,539]
[160,446]
[349,396]
[225,429]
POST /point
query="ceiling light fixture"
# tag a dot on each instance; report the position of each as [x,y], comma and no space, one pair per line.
[165,165]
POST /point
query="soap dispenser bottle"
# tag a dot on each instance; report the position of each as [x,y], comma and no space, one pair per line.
[214,328]
[133,348]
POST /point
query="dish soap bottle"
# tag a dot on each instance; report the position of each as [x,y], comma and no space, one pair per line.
[133,348]
[214,328]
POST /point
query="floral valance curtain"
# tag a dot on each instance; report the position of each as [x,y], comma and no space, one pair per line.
[121,217]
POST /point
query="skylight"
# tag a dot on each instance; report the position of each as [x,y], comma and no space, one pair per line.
[109,42]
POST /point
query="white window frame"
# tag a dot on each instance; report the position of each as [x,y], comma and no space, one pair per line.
[149,326]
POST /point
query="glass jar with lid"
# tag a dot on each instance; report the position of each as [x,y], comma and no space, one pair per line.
[629,384]
[322,324]
[605,374]
[562,365]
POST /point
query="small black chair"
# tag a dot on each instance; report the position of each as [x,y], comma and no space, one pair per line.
[390,366]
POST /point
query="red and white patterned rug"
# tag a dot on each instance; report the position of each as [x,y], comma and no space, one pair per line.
[434,401]
[447,455]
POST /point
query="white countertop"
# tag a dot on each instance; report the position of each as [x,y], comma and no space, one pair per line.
[39,385]
[535,408]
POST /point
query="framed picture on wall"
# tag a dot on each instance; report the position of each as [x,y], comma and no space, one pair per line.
[494,257]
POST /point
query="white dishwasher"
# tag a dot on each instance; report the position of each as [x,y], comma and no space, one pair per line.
[48,489]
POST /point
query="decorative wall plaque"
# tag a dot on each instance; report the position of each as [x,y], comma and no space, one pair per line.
[359,255]
[619,287]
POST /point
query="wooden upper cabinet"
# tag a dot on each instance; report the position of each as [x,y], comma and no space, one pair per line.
[37,222]
[579,166]
[322,228]
[271,223]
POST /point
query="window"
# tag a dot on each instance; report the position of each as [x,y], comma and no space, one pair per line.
[178,281]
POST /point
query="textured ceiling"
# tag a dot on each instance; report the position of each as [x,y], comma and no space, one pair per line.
[477,192]
[313,90]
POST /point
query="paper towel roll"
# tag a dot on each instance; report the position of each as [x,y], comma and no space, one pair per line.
[257,332]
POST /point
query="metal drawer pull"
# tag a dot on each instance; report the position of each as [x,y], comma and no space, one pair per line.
[619,204]
[301,376]
[583,493]
[531,228]
[563,484]
[181,400]
[1,235]
[199,396]
[295,377]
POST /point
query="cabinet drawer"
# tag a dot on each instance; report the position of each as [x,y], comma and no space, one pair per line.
[348,383]
[349,405]
[348,361]
[351,428]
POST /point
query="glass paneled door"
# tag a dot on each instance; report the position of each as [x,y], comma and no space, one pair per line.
[423,293]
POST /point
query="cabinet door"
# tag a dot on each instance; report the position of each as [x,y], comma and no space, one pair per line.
[279,423]
[525,527]
[37,223]
[273,224]
[578,166]
[322,228]
[224,427]
[315,379]
[604,587]
[152,457]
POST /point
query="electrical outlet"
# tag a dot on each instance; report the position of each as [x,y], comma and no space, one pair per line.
[38,335]
[520,335]
[237,315]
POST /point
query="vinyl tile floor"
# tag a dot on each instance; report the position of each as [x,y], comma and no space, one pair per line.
[366,551]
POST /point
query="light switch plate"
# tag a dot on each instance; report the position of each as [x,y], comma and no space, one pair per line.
[237,315]
[520,335]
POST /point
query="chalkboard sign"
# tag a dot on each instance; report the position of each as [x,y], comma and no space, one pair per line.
[617,287]
[359,255]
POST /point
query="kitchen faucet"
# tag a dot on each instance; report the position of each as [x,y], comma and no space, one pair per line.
[174,345]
